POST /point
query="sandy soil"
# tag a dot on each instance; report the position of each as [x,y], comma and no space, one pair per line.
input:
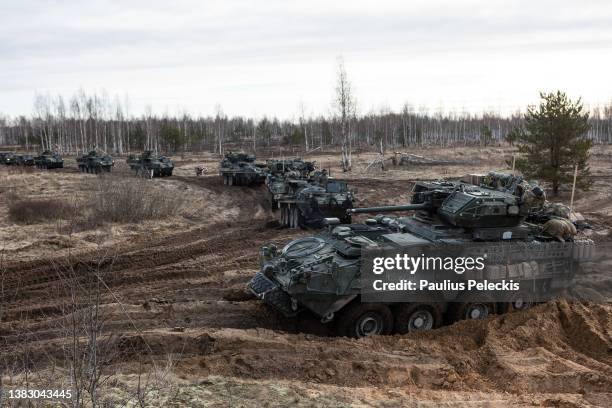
[174,307]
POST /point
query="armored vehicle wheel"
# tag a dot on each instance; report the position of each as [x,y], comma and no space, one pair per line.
[472,309]
[284,216]
[230,180]
[520,301]
[364,319]
[413,317]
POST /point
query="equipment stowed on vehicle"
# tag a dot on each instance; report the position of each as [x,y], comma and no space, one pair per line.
[240,169]
[321,274]
[308,202]
[281,173]
[150,164]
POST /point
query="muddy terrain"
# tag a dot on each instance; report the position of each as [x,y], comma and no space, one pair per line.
[176,328]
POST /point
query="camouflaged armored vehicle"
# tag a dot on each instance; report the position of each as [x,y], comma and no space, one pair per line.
[150,165]
[24,160]
[322,274]
[49,160]
[240,169]
[308,202]
[8,158]
[282,172]
[94,162]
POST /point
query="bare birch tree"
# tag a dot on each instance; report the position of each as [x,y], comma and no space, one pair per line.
[345,105]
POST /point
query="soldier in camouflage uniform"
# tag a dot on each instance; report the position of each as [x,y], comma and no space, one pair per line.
[532,198]
[560,228]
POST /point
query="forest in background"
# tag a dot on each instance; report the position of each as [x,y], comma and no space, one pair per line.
[92,121]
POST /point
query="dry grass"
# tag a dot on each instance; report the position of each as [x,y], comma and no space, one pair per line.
[128,200]
[32,211]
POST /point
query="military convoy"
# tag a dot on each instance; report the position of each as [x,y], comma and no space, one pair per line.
[94,162]
[49,160]
[150,164]
[321,274]
[240,169]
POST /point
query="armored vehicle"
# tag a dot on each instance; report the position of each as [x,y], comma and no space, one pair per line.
[240,169]
[8,159]
[308,202]
[25,160]
[322,274]
[150,165]
[282,172]
[94,162]
[49,160]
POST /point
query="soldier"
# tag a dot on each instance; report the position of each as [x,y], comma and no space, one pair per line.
[532,197]
[560,228]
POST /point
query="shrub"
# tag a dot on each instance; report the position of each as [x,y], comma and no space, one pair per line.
[31,211]
[126,200]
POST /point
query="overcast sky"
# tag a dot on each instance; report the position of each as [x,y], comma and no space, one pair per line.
[260,58]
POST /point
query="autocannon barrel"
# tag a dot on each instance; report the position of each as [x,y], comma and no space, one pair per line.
[390,208]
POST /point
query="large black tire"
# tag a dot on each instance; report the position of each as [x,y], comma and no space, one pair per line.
[468,309]
[520,301]
[412,317]
[364,319]
[230,180]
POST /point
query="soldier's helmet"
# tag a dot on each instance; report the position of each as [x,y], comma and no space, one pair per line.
[537,191]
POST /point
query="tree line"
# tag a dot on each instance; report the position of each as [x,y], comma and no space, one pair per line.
[87,121]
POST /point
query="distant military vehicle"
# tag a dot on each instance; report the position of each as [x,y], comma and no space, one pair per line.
[321,274]
[25,159]
[49,160]
[307,203]
[280,173]
[94,162]
[240,169]
[150,165]
[8,159]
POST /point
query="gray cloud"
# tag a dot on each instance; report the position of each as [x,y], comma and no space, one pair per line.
[137,46]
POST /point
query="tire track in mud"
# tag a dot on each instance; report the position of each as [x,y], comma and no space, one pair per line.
[156,266]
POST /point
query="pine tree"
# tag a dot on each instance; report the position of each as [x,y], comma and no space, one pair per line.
[554,141]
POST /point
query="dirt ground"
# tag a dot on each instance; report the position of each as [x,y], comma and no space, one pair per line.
[175,312]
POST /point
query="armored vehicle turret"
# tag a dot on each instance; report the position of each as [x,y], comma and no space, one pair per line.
[149,165]
[49,160]
[280,173]
[94,162]
[308,202]
[322,274]
[240,169]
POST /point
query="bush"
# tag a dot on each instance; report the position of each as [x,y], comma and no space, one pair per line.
[130,200]
[31,211]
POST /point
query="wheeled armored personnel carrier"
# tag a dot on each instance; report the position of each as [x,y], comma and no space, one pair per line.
[280,173]
[25,160]
[308,202]
[49,160]
[150,165]
[8,158]
[240,169]
[323,274]
[94,162]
